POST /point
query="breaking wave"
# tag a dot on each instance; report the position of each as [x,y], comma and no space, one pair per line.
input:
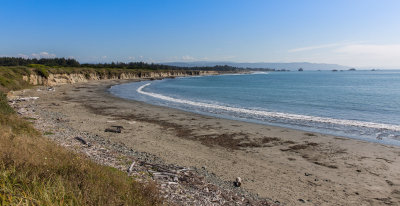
[259,114]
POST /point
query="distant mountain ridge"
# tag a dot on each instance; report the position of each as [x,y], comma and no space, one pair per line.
[288,66]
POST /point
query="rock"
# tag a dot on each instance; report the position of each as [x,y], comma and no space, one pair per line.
[302,201]
[238,182]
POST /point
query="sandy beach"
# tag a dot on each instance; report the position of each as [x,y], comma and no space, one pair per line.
[290,166]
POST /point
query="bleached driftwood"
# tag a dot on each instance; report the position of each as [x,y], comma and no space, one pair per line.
[131,167]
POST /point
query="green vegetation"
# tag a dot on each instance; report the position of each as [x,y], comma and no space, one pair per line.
[48,133]
[40,69]
[37,66]
[11,78]
[62,62]
[13,69]
[42,72]
[5,109]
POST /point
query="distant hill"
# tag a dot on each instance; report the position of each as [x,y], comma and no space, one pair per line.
[294,66]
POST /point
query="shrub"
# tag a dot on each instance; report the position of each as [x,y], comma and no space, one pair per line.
[40,69]
[42,72]
[5,109]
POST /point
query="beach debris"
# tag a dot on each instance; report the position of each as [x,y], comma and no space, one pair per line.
[51,89]
[22,111]
[238,182]
[111,121]
[389,182]
[20,99]
[130,169]
[302,201]
[132,122]
[83,141]
[114,129]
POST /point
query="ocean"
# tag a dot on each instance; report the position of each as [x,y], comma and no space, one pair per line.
[356,104]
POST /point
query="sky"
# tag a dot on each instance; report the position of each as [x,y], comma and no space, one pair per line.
[357,33]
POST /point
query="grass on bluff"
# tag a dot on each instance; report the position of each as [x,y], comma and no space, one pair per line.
[36,171]
[11,76]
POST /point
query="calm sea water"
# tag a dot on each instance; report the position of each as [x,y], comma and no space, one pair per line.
[357,104]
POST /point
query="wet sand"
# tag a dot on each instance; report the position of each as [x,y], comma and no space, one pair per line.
[291,166]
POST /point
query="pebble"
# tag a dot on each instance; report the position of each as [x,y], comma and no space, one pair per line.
[238,182]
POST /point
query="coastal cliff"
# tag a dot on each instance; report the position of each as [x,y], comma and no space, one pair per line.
[59,79]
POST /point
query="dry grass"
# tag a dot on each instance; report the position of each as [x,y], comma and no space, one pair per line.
[11,78]
[35,171]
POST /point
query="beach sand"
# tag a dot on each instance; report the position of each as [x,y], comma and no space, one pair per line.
[291,166]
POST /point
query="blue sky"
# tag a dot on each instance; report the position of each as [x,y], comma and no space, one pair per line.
[361,33]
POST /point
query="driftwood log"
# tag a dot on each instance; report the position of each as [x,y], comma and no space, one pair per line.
[81,140]
[114,129]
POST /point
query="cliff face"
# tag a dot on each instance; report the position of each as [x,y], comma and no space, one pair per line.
[58,79]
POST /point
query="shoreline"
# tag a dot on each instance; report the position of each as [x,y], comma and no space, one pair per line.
[287,165]
[339,122]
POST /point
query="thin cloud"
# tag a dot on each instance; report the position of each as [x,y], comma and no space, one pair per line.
[227,57]
[188,58]
[371,55]
[43,55]
[389,50]
[323,46]
[23,56]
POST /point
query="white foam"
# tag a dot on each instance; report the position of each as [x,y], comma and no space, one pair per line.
[273,114]
[260,73]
